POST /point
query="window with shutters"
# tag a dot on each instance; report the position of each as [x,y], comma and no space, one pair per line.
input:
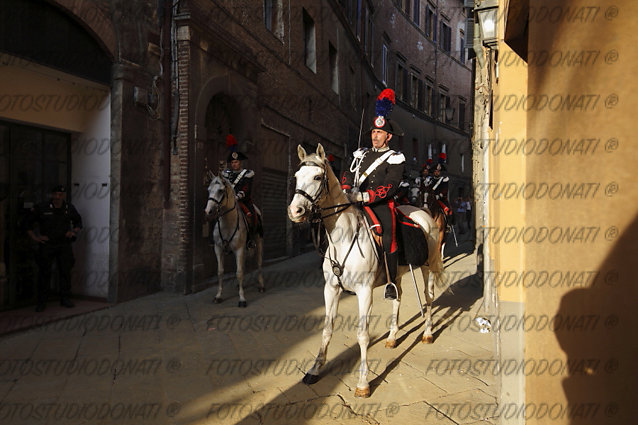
[273,17]
[334,68]
[445,37]
[416,12]
[430,22]
[414,90]
[310,52]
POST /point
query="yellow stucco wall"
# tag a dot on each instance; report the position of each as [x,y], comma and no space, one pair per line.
[578,233]
[507,173]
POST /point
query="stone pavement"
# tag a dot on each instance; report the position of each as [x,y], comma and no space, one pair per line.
[174,359]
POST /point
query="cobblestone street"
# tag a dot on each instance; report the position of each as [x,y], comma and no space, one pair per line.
[173,359]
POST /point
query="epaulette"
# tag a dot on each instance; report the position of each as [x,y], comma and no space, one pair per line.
[250,174]
[359,152]
[396,158]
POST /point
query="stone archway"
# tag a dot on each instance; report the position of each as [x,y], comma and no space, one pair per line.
[223,117]
[226,104]
[94,18]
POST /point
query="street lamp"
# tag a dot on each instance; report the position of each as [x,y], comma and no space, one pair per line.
[487,13]
[449,113]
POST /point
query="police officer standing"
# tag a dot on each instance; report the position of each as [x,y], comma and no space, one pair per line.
[58,224]
[374,179]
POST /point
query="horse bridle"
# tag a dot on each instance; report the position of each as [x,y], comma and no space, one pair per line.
[315,211]
[317,217]
[218,216]
[219,204]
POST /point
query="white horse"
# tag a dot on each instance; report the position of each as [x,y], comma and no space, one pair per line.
[351,262]
[230,232]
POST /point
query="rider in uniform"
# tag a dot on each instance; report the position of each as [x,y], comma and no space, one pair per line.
[439,185]
[402,196]
[374,179]
[241,179]
[424,181]
[58,224]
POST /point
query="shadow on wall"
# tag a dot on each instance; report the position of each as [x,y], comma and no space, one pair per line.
[596,328]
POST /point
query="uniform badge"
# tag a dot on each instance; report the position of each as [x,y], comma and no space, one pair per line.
[234,155]
[379,122]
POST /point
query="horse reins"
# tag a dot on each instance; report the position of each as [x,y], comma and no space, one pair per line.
[317,217]
[217,219]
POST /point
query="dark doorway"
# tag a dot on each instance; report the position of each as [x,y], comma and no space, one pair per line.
[32,161]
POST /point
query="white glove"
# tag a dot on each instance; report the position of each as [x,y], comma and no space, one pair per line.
[241,194]
[359,197]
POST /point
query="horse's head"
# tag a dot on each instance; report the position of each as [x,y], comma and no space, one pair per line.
[219,194]
[311,186]
[414,194]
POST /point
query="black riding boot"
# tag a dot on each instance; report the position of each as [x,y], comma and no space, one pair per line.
[391,292]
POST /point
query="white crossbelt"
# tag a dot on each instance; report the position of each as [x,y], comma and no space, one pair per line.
[239,177]
[374,166]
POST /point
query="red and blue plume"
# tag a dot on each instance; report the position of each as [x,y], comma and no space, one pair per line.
[231,143]
[385,103]
[442,157]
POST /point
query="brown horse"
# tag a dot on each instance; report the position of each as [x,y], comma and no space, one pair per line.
[422,199]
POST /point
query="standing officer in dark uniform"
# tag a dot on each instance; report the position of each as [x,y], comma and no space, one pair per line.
[374,179]
[241,179]
[58,224]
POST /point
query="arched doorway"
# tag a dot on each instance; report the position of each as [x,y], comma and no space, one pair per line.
[223,117]
[54,129]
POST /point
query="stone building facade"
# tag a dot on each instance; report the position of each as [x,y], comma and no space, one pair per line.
[170,80]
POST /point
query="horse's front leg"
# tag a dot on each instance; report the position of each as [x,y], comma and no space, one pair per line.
[331,296]
[391,342]
[427,337]
[239,259]
[219,253]
[364,297]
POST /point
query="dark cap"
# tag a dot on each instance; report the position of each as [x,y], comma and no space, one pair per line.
[236,156]
[386,124]
[58,188]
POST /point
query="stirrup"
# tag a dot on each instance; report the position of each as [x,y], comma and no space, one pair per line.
[390,292]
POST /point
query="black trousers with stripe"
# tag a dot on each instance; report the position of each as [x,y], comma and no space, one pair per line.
[384,214]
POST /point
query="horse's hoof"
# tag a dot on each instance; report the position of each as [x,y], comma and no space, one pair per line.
[391,344]
[261,289]
[242,304]
[429,339]
[217,300]
[362,392]
[309,379]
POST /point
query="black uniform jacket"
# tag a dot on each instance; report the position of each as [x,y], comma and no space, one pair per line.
[54,222]
[383,182]
[243,187]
